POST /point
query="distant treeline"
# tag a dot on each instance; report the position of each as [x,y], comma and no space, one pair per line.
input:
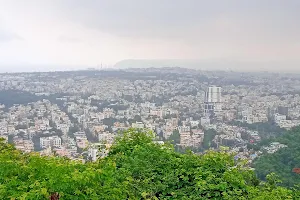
[11,97]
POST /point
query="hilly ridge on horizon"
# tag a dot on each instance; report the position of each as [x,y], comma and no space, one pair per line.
[207,64]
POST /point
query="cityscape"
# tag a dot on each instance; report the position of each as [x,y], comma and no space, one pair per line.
[149,100]
[78,114]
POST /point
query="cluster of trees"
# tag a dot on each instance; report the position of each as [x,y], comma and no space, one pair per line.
[283,161]
[159,100]
[92,137]
[175,137]
[11,97]
[266,130]
[109,121]
[209,135]
[136,168]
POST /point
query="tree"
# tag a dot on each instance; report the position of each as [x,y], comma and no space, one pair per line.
[175,137]
[73,129]
[21,126]
[109,121]
[135,168]
[209,135]
[266,130]
[92,137]
[137,118]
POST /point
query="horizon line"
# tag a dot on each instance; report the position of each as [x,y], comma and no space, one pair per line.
[130,68]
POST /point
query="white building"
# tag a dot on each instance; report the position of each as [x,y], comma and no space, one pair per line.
[194,123]
[46,142]
[182,129]
[278,117]
[93,153]
[205,121]
[106,137]
[212,100]
[213,94]
[138,125]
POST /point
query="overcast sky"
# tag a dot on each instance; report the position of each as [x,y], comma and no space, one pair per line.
[37,34]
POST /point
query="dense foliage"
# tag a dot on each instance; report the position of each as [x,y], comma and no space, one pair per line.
[284,160]
[11,97]
[136,168]
[267,130]
[175,137]
[209,135]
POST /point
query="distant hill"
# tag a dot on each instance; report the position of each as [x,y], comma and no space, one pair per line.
[192,64]
[217,64]
[131,63]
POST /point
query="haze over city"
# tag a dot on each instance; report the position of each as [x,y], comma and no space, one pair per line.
[75,34]
[149,99]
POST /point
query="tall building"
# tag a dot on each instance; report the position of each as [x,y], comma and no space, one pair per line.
[213,94]
[213,100]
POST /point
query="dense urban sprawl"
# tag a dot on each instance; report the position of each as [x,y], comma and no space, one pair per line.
[78,114]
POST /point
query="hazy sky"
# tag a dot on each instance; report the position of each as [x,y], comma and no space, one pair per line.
[42,33]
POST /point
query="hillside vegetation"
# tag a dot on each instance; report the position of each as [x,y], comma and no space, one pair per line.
[136,168]
[284,160]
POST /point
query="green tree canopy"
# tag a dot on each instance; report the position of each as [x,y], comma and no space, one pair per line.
[136,168]
[209,135]
[175,137]
[283,161]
